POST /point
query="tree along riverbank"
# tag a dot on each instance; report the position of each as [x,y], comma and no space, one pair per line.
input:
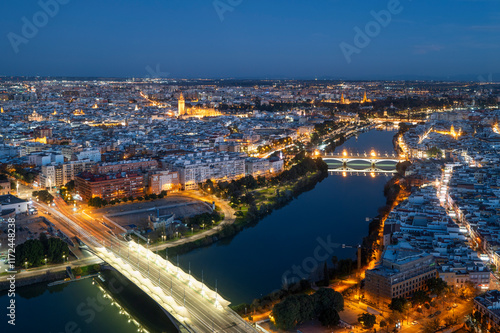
[396,190]
[254,199]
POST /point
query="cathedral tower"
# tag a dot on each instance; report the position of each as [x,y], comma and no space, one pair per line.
[181,105]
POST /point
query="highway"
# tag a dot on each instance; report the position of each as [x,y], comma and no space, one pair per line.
[191,303]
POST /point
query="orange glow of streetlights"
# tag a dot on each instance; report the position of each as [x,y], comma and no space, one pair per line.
[373,153]
[345,153]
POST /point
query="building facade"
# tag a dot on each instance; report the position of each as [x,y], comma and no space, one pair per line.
[41,159]
[9,202]
[163,181]
[197,168]
[488,305]
[124,166]
[56,175]
[4,185]
[256,166]
[93,155]
[402,272]
[109,186]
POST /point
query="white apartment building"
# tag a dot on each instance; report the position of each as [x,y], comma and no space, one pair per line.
[163,181]
[197,168]
[41,159]
[93,155]
[256,166]
[60,174]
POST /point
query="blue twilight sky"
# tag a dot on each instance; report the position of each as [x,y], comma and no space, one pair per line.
[251,38]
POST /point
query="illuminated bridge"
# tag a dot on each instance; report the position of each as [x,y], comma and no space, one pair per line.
[373,158]
[362,164]
[367,171]
[192,305]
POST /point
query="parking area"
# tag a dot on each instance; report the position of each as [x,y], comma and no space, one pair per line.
[136,214]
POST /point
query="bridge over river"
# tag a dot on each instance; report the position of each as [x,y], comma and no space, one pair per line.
[362,163]
[193,305]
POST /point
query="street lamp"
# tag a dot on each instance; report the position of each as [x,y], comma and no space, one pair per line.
[26,263]
[45,260]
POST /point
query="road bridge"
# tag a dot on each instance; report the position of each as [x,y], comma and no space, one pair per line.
[373,158]
[192,303]
[346,170]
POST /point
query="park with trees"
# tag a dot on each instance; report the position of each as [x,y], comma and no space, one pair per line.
[43,196]
[324,305]
[255,197]
[98,202]
[433,306]
[33,252]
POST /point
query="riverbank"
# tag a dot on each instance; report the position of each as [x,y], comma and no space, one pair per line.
[248,217]
[48,277]
[50,274]
[395,190]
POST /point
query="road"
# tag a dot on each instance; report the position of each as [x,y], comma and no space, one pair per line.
[227,210]
[53,268]
[459,312]
[200,313]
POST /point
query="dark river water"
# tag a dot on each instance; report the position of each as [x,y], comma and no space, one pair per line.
[288,244]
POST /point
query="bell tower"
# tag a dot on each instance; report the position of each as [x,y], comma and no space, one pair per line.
[181,105]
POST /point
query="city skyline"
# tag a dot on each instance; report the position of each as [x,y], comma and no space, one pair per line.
[452,40]
[248,166]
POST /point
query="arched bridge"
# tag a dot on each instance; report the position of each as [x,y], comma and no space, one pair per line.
[372,158]
[347,170]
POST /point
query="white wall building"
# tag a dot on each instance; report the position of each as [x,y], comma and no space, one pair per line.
[89,154]
[60,174]
[9,201]
[41,159]
[199,167]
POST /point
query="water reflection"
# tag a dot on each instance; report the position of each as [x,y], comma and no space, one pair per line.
[254,262]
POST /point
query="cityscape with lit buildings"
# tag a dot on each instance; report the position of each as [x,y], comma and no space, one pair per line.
[118,141]
[232,166]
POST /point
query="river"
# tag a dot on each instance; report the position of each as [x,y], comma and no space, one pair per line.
[286,245]
[255,261]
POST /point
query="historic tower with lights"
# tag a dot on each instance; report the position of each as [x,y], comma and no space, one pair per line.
[181,105]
